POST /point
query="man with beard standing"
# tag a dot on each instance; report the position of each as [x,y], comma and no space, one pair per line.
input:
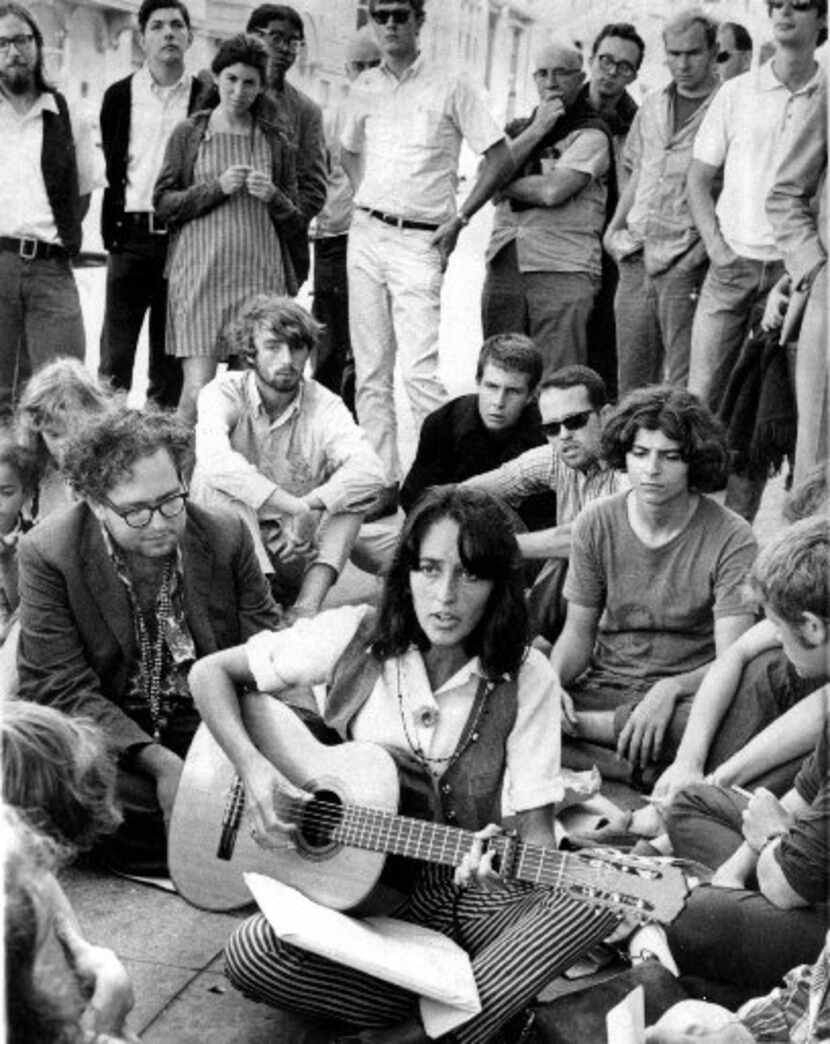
[46,176]
[281,30]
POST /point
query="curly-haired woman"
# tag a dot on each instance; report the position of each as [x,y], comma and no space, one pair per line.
[655,587]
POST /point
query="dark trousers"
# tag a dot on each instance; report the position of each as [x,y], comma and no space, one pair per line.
[732,940]
[331,308]
[136,284]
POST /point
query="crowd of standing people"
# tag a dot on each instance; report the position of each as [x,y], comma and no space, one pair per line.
[561,584]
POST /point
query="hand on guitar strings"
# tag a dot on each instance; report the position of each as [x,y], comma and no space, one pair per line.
[274,803]
[476,869]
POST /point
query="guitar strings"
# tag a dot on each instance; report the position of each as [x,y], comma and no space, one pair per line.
[355,826]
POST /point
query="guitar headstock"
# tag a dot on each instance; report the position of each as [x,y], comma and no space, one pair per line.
[637,887]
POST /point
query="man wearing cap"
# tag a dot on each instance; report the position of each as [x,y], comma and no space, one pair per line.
[47,173]
[330,233]
[404,127]
[281,30]
[544,256]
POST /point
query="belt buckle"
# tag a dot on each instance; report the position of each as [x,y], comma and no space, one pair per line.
[399,223]
[26,252]
[151,226]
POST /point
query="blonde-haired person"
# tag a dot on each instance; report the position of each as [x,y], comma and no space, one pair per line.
[55,403]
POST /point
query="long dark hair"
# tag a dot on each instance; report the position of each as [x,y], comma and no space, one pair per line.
[487,546]
[20,12]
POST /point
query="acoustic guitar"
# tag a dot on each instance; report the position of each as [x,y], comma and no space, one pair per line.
[350,834]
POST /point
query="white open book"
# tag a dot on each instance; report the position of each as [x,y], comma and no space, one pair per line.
[408,955]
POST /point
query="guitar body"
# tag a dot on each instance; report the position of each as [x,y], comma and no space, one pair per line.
[207,865]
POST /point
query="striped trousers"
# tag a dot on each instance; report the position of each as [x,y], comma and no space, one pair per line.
[518,939]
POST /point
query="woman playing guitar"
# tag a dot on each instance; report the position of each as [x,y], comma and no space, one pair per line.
[442,675]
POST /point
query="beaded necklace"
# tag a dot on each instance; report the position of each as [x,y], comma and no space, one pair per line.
[152,653]
[429,716]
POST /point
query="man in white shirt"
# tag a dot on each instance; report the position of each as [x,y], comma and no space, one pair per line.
[284,453]
[47,173]
[404,127]
[137,115]
[746,134]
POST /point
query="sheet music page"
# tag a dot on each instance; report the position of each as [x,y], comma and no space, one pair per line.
[408,955]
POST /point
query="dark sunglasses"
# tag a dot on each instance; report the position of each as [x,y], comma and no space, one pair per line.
[572,423]
[398,17]
[723,56]
[795,5]
[363,66]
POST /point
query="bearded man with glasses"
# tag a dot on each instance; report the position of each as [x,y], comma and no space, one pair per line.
[119,595]
[47,173]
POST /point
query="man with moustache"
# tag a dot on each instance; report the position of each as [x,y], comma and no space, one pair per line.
[282,452]
[281,30]
[137,115]
[119,594]
[652,236]
[544,255]
[46,176]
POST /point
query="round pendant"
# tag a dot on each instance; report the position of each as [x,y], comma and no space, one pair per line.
[427,717]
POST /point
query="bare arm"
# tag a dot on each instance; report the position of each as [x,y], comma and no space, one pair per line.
[352,165]
[572,653]
[792,735]
[547,190]
[699,189]
[546,543]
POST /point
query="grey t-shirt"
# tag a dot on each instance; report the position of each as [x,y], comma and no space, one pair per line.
[659,604]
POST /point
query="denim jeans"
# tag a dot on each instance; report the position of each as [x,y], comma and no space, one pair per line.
[654,322]
[551,307]
[136,284]
[395,282]
[40,319]
[722,321]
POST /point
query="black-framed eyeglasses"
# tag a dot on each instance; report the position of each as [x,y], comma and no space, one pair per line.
[21,42]
[795,5]
[141,516]
[278,39]
[572,423]
[397,16]
[609,65]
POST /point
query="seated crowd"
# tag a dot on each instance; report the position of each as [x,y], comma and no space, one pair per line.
[558,584]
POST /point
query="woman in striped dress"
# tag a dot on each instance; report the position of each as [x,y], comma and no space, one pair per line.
[442,675]
[227,187]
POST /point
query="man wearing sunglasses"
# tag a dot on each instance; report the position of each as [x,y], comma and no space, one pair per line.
[573,402]
[119,595]
[281,30]
[734,51]
[652,236]
[405,124]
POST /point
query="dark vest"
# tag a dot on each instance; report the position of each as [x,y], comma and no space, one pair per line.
[469,791]
[116,112]
[60,174]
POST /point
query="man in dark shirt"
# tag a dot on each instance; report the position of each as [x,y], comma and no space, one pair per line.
[476,433]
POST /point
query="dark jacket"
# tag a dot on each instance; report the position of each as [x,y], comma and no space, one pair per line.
[60,174]
[454,445]
[177,199]
[116,113]
[77,641]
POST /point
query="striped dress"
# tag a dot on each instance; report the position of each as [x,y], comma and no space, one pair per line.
[224,257]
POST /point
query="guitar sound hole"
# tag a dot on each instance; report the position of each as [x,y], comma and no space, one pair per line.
[321,817]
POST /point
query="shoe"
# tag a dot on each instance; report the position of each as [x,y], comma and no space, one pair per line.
[386,503]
